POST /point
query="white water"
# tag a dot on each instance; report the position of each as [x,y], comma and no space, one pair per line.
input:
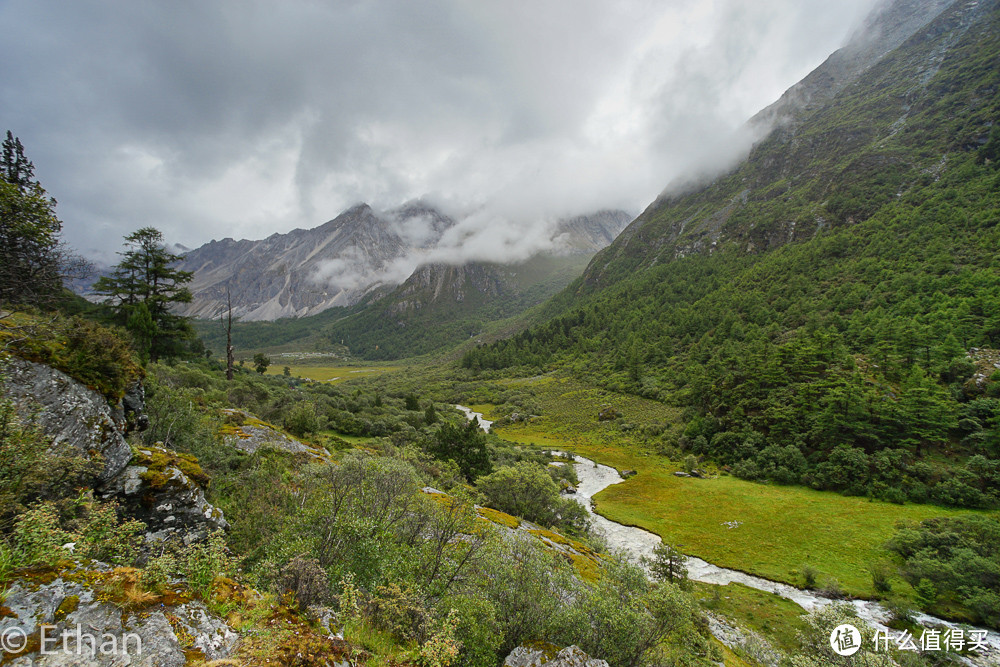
[595,477]
[484,424]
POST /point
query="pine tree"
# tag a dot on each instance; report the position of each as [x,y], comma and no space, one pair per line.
[17,169]
[145,278]
[32,262]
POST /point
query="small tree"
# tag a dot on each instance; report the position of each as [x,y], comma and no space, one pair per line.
[261,362]
[430,415]
[465,445]
[144,276]
[668,564]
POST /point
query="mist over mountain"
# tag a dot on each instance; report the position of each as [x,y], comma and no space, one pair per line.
[307,271]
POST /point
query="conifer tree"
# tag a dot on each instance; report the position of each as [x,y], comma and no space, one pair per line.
[31,260]
[145,280]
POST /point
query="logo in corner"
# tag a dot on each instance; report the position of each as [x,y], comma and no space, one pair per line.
[845,640]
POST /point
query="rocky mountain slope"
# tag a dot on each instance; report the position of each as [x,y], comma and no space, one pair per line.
[307,271]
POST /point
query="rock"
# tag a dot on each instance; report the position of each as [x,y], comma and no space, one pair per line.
[160,635]
[247,433]
[681,474]
[608,413]
[70,413]
[571,656]
[163,489]
[625,474]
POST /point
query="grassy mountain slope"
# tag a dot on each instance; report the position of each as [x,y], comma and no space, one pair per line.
[892,129]
[815,310]
[442,305]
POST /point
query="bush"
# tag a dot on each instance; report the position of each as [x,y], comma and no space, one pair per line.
[306,580]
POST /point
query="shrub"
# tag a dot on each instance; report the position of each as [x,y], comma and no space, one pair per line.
[38,536]
[205,561]
[398,609]
[107,539]
[306,580]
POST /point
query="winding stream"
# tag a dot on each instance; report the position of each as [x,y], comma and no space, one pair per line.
[595,477]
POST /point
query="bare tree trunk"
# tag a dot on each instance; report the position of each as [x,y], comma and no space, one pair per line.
[229,336]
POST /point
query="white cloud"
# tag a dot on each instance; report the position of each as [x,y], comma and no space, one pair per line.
[212,119]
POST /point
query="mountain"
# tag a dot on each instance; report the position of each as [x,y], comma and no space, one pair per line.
[822,311]
[307,271]
[857,132]
[442,304]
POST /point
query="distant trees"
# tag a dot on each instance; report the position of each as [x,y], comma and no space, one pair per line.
[141,289]
[32,261]
[261,362]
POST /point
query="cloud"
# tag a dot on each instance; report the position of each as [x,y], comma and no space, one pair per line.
[215,119]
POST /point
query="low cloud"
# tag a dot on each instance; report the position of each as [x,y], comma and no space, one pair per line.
[211,120]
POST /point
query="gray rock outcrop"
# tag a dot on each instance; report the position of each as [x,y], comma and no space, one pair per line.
[71,413]
[162,635]
[163,489]
[571,656]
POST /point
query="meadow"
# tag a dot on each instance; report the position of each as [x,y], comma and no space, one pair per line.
[333,374]
[780,530]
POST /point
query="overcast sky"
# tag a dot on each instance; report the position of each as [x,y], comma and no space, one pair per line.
[243,118]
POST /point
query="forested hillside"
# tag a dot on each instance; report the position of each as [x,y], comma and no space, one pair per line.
[827,312]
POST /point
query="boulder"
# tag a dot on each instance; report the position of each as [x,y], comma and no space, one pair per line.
[70,413]
[571,656]
[163,634]
[247,433]
[163,489]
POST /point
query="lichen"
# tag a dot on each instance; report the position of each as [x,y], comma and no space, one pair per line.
[69,604]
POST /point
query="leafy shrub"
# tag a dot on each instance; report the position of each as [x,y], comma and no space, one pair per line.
[205,561]
[398,609]
[96,355]
[106,538]
[38,536]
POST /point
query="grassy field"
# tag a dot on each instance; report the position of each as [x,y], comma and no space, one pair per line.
[781,528]
[318,373]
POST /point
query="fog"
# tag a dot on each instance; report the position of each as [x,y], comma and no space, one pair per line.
[215,119]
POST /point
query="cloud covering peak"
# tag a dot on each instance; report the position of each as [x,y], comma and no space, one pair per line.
[213,119]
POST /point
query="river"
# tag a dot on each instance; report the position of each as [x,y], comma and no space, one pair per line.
[595,477]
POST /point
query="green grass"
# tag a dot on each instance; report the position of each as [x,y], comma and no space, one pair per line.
[782,527]
[331,374]
[777,619]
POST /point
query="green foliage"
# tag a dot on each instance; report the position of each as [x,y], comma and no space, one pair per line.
[38,536]
[954,557]
[261,362]
[465,445]
[140,291]
[96,355]
[32,469]
[668,564]
[206,561]
[32,263]
[526,490]
[107,538]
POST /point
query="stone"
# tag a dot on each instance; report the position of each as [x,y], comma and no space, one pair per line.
[69,413]
[157,636]
[161,488]
[248,434]
[571,656]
